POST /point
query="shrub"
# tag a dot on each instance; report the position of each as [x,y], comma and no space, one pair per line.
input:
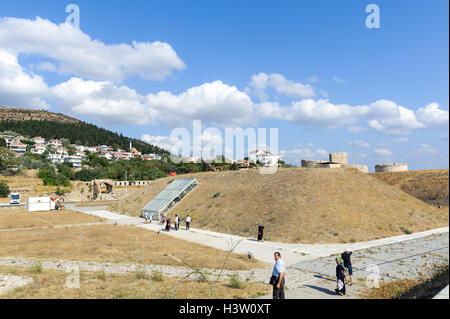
[141,273]
[4,189]
[235,282]
[157,275]
[216,195]
[36,268]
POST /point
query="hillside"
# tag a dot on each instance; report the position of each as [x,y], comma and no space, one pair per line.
[430,186]
[52,125]
[297,205]
[17,114]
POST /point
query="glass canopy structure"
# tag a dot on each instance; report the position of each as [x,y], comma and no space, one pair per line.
[170,197]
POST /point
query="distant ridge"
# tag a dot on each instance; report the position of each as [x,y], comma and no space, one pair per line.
[56,125]
[19,114]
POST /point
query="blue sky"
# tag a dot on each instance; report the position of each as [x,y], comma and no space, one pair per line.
[323,47]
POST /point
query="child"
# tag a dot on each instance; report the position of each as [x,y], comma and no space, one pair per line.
[340,275]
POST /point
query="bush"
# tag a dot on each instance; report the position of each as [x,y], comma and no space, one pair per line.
[4,190]
[36,268]
[157,275]
[235,282]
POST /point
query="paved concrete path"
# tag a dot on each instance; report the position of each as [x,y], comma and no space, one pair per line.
[310,267]
[9,282]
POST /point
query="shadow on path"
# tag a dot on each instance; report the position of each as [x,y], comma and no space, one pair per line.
[321,289]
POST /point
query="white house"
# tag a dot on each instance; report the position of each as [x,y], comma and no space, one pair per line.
[74,160]
[18,147]
[54,143]
[38,149]
[38,140]
[56,158]
[266,158]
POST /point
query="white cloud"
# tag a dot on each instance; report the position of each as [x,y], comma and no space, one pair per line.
[357,129]
[425,149]
[164,142]
[313,79]
[296,155]
[402,124]
[214,103]
[401,140]
[19,88]
[382,152]
[102,101]
[76,53]
[261,82]
[433,117]
[315,112]
[358,143]
[338,80]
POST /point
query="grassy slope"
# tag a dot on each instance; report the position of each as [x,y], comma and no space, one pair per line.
[430,186]
[297,205]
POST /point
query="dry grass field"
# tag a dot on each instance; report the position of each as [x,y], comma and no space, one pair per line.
[430,186]
[297,205]
[110,243]
[20,218]
[51,284]
[29,185]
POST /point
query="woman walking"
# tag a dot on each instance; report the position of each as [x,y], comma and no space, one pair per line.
[260,232]
[340,276]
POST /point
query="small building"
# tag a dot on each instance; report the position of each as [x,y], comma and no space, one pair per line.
[74,160]
[18,147]
[38,140]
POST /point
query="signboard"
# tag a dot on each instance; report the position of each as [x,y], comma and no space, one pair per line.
[38,204]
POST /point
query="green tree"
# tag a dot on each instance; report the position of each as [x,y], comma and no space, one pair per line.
[4,189]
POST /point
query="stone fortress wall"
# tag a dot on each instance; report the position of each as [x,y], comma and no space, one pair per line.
[391,167]
[337,160]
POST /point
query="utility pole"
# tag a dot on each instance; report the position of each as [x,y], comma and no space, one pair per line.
[126,184]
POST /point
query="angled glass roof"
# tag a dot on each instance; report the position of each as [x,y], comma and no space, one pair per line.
[170,196]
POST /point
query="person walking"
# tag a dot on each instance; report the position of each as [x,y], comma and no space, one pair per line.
[168,225]
[146,217]
[188,222]
[346,257]
[340,277]
[260,232]
[278,277]
[177,222]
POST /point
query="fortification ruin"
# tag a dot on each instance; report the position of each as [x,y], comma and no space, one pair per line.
[391,167]
[336,160]
[339,158]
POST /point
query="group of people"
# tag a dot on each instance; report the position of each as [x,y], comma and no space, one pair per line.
[177,220]
[344,274]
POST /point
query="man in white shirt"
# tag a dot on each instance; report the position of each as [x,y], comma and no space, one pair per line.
[177,222]
[279,272]
[188,222]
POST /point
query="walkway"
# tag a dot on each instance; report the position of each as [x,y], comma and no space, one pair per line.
[310,267]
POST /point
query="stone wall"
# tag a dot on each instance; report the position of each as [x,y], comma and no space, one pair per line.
[311,163]
[340,158]
[391,167]
[361,168]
